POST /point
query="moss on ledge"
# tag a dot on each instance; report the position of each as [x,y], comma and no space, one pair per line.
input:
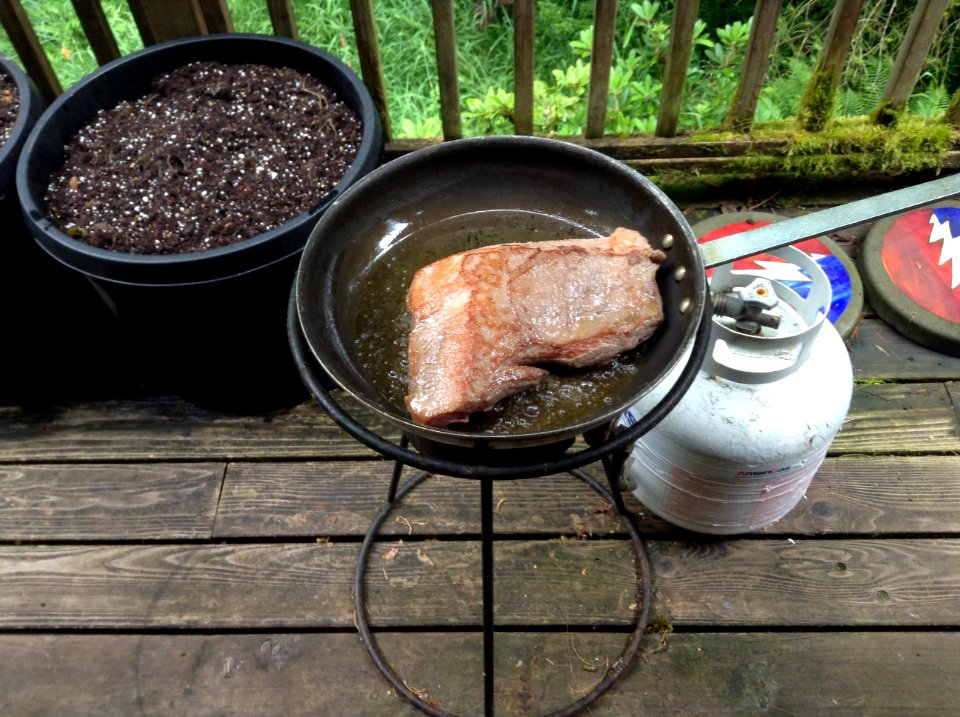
[850,148]
[855,145]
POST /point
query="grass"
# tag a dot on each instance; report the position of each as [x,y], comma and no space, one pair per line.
[61,35]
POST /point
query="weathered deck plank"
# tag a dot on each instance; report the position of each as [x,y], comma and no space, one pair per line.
[166,501]
[899,418]
[343,497]
[761,583]
[288,674]
[789,582]
[179,585]
[790,673]
[168,428]
[849,495]
[887,495]
[338,498]
[109,501]
[294,674]
[884,418]
[878,352]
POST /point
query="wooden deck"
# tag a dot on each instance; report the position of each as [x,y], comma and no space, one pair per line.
[157,558]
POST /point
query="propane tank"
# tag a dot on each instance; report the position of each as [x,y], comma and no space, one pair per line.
[743,444]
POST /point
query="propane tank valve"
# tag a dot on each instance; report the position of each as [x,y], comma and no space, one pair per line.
[749,306]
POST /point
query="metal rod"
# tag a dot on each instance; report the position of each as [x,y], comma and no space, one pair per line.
[486,538]
[790,231]
[612,466]
[397,470]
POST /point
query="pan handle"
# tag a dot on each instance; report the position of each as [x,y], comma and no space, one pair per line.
[790,231]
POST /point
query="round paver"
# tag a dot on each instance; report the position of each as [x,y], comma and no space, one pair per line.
[847,303]
[911,272]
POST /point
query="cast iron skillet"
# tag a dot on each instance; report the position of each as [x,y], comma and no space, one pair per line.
[509,187]
[539,189]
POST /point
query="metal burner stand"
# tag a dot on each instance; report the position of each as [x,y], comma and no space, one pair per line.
[611,449]
[486,533]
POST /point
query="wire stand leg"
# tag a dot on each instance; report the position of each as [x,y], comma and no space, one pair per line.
[612,467]
[486,537]
[395,476]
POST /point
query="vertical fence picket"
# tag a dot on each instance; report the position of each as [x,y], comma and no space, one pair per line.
[952,115]
[816,104]
[913,53]
[24,40]
[282,18]
[675,72]
[216,15]
[167,20]
[601,58]
[97,29]
[445,39]
[523,63]
[371,67]
[744,105]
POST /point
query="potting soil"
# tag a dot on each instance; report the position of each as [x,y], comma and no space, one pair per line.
[9,106]
[214,155]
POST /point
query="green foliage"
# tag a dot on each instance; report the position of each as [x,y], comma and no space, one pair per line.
[931,102]
[493,114]
[635,81]
[426,127]
[780,97]
[718,14]
[713,74]
[913,144]
[61,36]
[880,30]
[556,23]
[564,40]
[931,99]
[864,91]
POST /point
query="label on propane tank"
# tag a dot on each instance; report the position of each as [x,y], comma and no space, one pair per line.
[911,272]
[847,291]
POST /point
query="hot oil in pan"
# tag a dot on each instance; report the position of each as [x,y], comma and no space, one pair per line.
[382,324]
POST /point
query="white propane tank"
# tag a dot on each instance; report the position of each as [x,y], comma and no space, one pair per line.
[743,444]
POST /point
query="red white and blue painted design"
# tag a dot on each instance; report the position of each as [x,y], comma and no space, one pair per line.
[920,252]
[777,269]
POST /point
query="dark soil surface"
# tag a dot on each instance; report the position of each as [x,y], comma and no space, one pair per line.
[9,106]
[216,154]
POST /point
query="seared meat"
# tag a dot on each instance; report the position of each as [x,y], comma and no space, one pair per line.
[483,320]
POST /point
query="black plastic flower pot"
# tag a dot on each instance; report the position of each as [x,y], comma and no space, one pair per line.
[17,246]
[35,325]
[31,107]
[209,325]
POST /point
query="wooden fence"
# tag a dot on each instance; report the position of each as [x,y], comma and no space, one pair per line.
[159,20]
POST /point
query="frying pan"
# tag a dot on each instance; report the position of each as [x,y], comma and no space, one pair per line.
[459,194]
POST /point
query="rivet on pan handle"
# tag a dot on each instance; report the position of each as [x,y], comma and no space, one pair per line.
[790,231]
